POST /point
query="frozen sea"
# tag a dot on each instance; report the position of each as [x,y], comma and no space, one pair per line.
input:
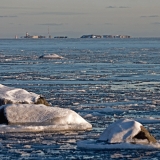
[101,79]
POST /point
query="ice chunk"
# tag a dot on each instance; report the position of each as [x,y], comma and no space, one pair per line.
[121,131]
[123,134]
[30,117]
[16,95]
[126,130]
[51,56]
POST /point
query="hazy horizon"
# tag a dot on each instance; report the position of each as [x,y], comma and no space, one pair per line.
[75,18]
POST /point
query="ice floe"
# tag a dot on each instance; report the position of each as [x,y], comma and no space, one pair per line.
[148,120]
[17,95]
[95,145]
[34,118]
[51,56]
[123,134]
[110,110]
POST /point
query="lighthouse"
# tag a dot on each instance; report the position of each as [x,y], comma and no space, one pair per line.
[26,34]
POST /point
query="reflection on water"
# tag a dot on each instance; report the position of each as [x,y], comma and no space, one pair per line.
[94,74]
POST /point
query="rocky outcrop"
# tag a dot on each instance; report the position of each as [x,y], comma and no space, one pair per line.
[10,95]
[144,135]
[42,100]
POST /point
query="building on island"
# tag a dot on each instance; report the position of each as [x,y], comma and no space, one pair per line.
[116,36]
[91,36]
[61,37]
[34,36]
[105,36]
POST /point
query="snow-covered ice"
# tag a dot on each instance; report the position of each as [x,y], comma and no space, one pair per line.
[120,135]
[96,145]
[120,131]
[51,56]
[30,117]
[17,95]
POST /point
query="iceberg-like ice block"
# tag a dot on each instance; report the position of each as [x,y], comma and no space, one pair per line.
[51,56]
[9,95]
[123,134]
[30,117]
[126,130]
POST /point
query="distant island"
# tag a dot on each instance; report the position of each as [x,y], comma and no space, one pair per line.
[27,36]
[105,36]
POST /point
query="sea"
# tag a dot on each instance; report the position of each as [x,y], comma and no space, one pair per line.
[103,80]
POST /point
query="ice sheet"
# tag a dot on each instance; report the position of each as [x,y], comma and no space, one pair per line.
[95,145]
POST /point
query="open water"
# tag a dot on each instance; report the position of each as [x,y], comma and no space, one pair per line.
[122,74]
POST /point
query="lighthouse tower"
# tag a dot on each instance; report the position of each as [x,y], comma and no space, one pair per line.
[26,34]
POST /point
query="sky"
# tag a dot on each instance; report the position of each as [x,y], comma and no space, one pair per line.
[74,18]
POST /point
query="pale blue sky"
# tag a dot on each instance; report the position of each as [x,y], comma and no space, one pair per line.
[73,18]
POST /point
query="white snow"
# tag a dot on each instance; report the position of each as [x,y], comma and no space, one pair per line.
[17,95]
[51,56]
[121,131]
[30,117]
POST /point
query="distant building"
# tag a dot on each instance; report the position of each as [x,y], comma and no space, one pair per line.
[34,36]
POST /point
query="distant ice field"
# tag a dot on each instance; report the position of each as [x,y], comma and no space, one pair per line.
[103,80]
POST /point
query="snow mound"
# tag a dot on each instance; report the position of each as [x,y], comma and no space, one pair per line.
[121,131]
[51,56]
[123,134]
[16,95]
[30,117]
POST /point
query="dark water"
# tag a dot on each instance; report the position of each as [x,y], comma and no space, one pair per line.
[94,74]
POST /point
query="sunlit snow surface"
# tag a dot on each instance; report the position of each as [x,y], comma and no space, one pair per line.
[96,78]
